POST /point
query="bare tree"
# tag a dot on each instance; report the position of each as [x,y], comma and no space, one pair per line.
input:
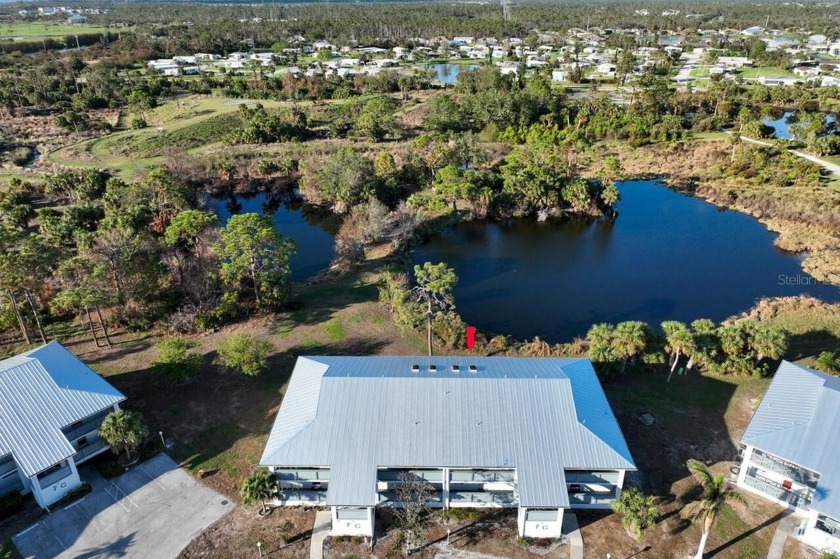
[414,494]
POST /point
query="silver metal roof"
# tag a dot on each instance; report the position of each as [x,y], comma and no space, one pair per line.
[354,414]
[42,391]
[798,420]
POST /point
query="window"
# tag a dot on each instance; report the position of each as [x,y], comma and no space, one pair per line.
[83,442]
[827,524]
[541,515]
[351,514]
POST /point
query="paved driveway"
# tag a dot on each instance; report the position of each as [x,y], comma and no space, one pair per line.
[152,511]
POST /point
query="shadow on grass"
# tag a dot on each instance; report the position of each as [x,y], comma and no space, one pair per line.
[746,534]
[355,346]
[811,344]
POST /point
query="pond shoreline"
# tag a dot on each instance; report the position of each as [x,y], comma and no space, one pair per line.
[666,256]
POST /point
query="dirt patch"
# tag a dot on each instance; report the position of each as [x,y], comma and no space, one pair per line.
[284,533]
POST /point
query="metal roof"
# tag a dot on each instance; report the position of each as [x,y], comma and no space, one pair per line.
[42,391]
[798,420]
[355,414]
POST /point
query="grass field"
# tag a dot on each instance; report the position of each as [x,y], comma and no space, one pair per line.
[46,30]
[764,71]
[192,123]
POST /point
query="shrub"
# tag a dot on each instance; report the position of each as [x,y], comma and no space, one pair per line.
[137,123]
[176,360]
[244,354]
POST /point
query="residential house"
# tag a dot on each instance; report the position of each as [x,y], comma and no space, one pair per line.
[532,434]
[51,407]
[76,19]
[790,453]
[734,61]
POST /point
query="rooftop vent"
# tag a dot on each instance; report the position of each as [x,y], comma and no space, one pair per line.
[415,368]
[473,369]
[432,368]
[456,368]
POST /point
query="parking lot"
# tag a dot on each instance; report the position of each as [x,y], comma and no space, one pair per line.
[153,510]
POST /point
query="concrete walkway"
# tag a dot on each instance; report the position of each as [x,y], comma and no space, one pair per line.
[571,530]
[786,527]
[320,530]
[831,167]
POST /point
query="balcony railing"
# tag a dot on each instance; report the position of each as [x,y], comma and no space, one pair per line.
[775,490]
[591,498]
[91,424]
[482,476]
[483,498]
[790,471]
[89,450]
[303,496]
[387,498]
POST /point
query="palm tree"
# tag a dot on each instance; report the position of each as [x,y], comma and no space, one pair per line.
[123,430]
[628,340]
[679,340]
[767,341]
[259,487]
[716,493]
[705,342]
[638,511]
[828,362]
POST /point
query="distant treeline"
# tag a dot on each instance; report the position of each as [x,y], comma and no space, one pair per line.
[54,43]
[264,23]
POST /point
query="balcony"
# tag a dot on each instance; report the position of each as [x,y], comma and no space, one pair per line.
[89,450]
[776,491]
[303,497]
[482,499]
[786,469]
[391,498]
[73,432]
[481,476]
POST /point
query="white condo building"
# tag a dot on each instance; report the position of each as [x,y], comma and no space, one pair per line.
[51,407]
[535,434]
[791,451]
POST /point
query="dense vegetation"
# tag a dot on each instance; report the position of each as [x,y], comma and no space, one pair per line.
[387,155]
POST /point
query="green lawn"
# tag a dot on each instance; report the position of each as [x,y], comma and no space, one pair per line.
[193,123]
[45,30]
[764,71]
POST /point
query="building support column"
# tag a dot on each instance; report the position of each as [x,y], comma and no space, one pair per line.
[745,461]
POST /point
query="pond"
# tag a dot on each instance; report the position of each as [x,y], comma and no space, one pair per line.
[312,229]
[448,73]
[667,256]
[782,124]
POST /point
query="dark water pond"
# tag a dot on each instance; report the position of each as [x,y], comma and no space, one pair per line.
[312,229]
[782,124]
[667,256]
[448,73]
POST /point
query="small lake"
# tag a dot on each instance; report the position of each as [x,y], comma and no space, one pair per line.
[782,124]
[667,256]
[448,73]
[312,229]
